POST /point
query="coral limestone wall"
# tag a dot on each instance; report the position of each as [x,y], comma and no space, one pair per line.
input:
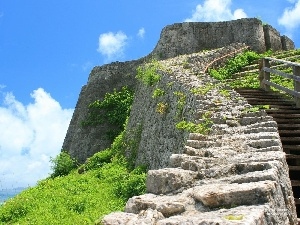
[182,38]
[233,173]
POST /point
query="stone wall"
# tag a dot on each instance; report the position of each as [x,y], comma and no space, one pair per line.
[235,174]
[287,43]
[157,134]
[189,37]
[181,38]
[272,38]
[83,141]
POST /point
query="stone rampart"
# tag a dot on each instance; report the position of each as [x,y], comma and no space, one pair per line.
[182,38]
[83,141]
[189,37]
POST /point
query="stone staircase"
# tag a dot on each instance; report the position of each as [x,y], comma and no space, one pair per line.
[237,174]
[287,117]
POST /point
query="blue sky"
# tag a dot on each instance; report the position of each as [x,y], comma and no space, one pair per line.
[47,49]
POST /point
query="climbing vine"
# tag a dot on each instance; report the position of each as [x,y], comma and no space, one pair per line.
[112,110]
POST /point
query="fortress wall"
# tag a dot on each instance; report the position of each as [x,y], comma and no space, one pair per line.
[177,39]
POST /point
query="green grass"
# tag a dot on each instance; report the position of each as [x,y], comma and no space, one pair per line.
[250,79]
[103,185]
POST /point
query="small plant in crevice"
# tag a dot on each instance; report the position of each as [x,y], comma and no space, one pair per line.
[162,108]
[225,93]
[181,101]
[234,217]
[148,73]
[158,93]
[203,90]
[202,128]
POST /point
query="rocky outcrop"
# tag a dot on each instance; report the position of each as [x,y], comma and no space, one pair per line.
[235,174]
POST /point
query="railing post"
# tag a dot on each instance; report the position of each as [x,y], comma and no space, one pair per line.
[296,72]
[263,75]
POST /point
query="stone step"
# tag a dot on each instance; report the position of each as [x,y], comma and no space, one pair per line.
[250,215]
[286,111]
[289,133]
[295,183]
[263,143]
[289,148]
[286,116]
[294,168]
[199,144]
[290,140]
[224,195]
[286,121]
[169,180]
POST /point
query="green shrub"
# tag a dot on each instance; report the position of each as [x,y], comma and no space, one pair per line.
[14,211]
[234,65]
[113,109]
[158,93]
[132,184]
[202,128]
[62,164]
[147,74]
[98,160]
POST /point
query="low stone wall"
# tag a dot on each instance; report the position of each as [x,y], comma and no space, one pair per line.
[236,174]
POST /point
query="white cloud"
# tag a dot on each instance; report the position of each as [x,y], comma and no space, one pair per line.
[112,45]
[215,10]
[141,32]
[291,17]
[29,136]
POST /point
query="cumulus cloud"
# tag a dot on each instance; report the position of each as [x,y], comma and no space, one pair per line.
[111,45]
[141,32]
[290,18]
[216,10]
[29,136]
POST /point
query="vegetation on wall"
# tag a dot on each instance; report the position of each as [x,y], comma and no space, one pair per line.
[112,110]
[234,65]
[202,128]
[148,73]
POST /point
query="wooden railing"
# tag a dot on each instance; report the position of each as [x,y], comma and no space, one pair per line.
[266,71]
